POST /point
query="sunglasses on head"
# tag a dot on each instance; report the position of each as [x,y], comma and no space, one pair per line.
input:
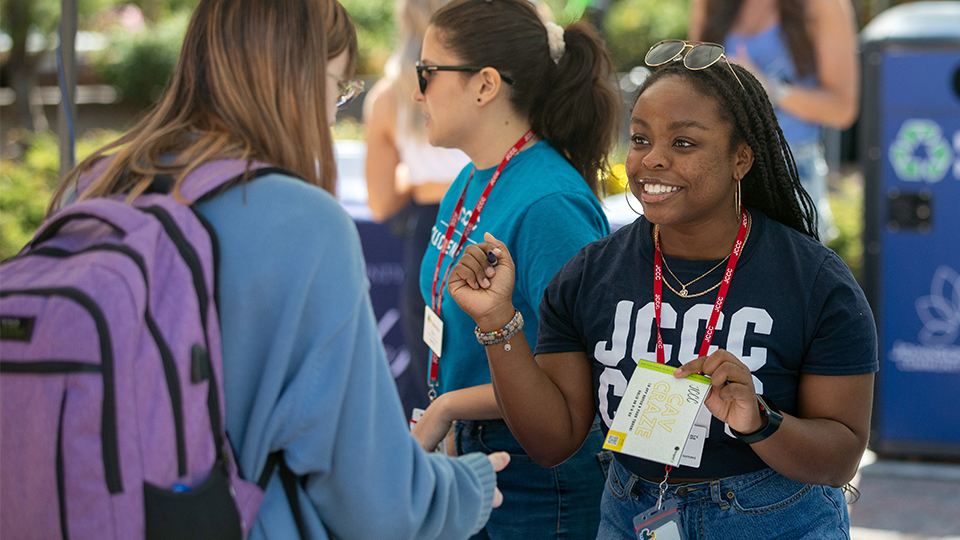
[423,80]
[347,90]
[696,55]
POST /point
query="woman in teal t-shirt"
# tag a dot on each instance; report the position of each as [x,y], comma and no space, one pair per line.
[534,107]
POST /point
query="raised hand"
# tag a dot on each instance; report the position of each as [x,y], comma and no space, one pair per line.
[481,288]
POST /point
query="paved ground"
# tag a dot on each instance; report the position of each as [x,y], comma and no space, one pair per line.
[902,500]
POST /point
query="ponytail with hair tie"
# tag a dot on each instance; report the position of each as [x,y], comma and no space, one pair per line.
[555,41]
[564,77]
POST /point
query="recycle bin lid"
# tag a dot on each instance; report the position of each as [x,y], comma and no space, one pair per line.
[915,21]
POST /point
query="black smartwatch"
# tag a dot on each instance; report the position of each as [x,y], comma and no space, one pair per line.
[772,417]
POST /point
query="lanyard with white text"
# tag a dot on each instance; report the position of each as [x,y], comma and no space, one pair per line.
[721,296]
[437,294]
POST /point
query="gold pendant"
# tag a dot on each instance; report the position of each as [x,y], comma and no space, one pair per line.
[684,293]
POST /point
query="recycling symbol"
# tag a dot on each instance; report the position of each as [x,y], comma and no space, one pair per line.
[913,165]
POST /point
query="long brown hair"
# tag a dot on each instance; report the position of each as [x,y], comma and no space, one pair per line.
[250,84]
[573,103]
[721,14]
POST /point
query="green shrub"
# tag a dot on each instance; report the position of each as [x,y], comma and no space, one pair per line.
[140,64]
[28,182]
[846,203]
[23,203]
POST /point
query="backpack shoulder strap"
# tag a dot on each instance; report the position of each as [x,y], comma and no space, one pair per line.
[289,480]
[213,177]
[206,181]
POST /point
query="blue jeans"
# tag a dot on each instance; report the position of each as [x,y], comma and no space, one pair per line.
[562,502]
[812,170]
[757,505]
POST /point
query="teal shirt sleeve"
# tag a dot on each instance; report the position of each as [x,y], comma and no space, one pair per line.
[551,232]
[305,372]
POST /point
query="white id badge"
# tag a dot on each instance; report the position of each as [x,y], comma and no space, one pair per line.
[662,524]
[415,415]
[432,330]
[693,449]
[704,417]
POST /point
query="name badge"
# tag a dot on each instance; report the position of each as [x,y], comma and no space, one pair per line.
[415,417]
[660,523]
[432,330]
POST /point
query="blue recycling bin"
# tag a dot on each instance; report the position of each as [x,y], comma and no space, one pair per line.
[910,152]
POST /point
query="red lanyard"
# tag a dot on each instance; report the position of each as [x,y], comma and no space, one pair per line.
[437,294]
[721,296]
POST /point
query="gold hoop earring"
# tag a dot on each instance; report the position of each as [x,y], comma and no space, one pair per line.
[737,201]
[626,195]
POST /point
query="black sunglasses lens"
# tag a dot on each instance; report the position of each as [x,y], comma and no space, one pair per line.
[703,56]
[422,80]
[663,52]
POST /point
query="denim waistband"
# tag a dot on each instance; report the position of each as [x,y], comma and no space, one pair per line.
[471,424]
[807,150]
[716,490]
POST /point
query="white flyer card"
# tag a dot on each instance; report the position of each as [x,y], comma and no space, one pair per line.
[657,413]
[432,330]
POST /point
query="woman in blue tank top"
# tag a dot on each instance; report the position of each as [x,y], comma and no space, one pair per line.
[805,55]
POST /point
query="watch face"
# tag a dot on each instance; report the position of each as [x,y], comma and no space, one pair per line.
[768,408]
[772,419]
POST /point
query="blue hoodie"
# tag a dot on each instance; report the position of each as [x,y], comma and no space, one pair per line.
[305,372]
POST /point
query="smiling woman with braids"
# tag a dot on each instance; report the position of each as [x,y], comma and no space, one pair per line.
[714,174]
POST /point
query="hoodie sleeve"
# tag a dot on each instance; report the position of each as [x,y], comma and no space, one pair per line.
[306,373]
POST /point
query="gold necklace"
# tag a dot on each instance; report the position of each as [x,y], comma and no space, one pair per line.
[683,288]
[683,292]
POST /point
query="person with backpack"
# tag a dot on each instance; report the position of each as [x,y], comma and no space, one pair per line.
[535,108]
[264,265]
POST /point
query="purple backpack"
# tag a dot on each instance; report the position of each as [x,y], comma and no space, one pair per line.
[111,374]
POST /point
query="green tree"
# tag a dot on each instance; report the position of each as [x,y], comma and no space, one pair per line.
[18,19]
[633,26]
[376,32]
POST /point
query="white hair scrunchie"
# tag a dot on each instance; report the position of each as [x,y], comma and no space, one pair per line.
[555,41]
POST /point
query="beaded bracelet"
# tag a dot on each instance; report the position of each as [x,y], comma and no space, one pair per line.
[502,335]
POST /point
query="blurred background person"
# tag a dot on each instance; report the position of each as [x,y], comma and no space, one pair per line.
[406,179]
[805,55]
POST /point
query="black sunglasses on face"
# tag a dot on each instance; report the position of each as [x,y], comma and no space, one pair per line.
[423,80]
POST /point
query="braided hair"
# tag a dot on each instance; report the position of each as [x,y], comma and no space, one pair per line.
[772,184]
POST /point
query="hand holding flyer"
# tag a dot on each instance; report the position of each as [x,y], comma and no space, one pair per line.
[657,413]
